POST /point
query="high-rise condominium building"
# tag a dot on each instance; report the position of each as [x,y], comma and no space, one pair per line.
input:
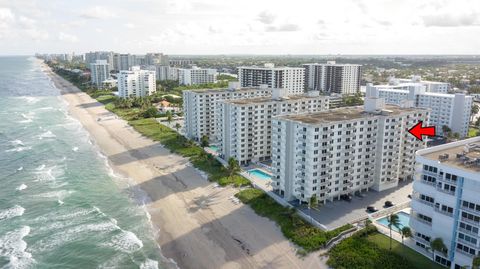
[156,59]
[99,71]
[165,72]
[445,202]
[123,61]
[452,110]
[333,78]
[92,57]
[196,75]
[290,78]
[246,123]
[344,150]
[199,108]
[136,82]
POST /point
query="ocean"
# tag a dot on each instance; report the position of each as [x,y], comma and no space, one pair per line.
[61,206]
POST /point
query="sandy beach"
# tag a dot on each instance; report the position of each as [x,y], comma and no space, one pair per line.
[199,227]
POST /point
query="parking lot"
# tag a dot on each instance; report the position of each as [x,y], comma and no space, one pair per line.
[338,213]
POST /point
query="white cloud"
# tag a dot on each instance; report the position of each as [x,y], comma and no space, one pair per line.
[98,12]
[67,37]
[451,20]
[266,17]
[287,27]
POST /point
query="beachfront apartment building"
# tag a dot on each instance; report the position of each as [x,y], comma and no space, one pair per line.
[245,126]
[200,108]
[445,202]
[452,110]
[343,151]
[290,78]
[331,77]
[196,75]
[430,86]
[136,82]
[99,72]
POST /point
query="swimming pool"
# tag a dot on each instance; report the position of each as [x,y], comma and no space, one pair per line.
[260,174]
[214,148]
[404,219]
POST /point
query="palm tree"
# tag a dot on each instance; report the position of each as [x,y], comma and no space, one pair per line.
[313,202]
[233,166]
[438,245]
[393,221]
[177,126]
[474,111]
[405,232]
[476,262]
[169,117]
[204,141]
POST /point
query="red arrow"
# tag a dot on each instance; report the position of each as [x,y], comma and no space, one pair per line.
[418,131]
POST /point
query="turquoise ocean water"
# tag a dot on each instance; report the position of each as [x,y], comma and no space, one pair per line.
[61,206]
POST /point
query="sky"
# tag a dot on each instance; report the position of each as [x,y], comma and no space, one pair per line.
[241,27]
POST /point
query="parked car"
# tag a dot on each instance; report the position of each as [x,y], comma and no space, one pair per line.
[346,197]
[388,204]
[371,209]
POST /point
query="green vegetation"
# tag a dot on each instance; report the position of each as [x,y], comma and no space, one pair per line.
[473,132]
[293,226]
[226,77]
[369,249]
[352,100]
[182,146]
[393,221]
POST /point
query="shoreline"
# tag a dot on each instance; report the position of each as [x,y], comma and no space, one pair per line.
[197,225]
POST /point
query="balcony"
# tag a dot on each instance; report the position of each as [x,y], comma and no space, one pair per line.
[467,243]
[448,214]
[467,209]
[422,201]
[469,221]
[419,220]
[446,191]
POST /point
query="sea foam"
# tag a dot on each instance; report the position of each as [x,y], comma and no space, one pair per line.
[126,241]
[12,212]
[21,187]
[13,248]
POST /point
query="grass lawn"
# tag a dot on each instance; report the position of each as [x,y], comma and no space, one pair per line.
[181,145]
[368,249]
[293,227]
[418,260]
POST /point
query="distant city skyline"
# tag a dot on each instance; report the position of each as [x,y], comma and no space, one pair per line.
[246,27]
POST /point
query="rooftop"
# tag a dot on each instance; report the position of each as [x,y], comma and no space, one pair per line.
[248,101]
[344,114]
[465,156]
[270,68]
[227,90]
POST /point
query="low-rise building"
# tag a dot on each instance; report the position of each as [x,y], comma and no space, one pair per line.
[246,123]
[196,75]
[344,150]
[445,201]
